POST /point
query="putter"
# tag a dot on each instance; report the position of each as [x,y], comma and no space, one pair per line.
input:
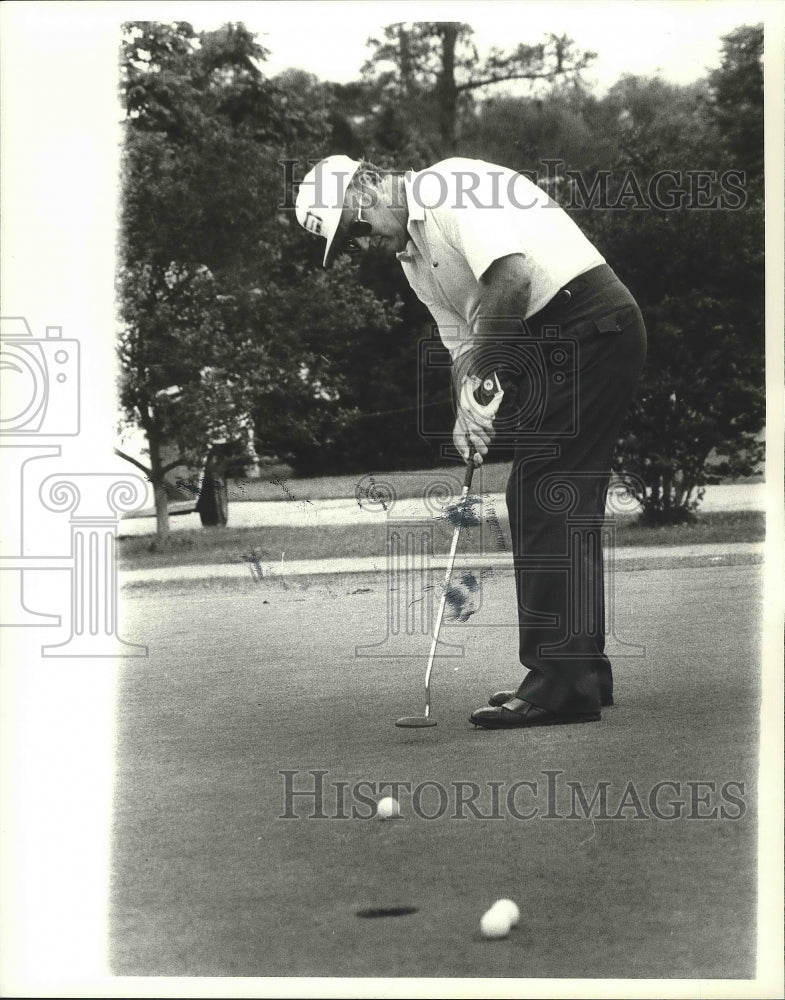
[489,386]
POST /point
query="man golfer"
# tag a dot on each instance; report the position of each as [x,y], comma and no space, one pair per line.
[516,290]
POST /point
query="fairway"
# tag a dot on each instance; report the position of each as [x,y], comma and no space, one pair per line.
[244,682]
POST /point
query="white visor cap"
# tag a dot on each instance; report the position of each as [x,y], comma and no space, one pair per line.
[320,199]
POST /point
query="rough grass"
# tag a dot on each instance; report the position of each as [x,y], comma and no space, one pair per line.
[278,483]
[276,480]
[230,545]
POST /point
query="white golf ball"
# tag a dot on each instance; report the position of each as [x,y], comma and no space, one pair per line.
[388,808]
[494,924]
[509,909]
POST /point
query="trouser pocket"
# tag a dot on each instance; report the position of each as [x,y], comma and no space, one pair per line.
[616,321]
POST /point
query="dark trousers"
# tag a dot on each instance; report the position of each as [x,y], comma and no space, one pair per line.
[577,367]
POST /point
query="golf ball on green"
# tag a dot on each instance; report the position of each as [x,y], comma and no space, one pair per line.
[494,924]
[388,808]
[509,909]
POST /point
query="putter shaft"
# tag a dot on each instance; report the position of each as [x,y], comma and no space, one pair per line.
[492,396]
[447,577]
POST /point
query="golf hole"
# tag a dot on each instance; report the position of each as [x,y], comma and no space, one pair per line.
[391,911]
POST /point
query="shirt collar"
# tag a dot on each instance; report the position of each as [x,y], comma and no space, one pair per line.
[416,210]
[416,213]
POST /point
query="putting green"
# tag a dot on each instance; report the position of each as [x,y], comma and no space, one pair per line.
[242,700]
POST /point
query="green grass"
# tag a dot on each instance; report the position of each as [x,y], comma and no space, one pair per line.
[276,480]
[279,482]
[229,545]
[270,486]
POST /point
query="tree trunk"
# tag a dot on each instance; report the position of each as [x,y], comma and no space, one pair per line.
[161,514]
[446,90]
[159,490]
[405,62]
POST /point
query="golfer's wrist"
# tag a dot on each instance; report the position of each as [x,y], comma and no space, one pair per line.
[465,366]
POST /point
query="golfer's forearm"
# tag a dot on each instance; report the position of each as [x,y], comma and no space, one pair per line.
[504,302]
[499,317]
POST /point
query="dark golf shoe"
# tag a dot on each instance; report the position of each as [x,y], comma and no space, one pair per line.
[519,714]
[500,697]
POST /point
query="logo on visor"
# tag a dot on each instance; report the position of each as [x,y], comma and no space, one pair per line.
[313,223]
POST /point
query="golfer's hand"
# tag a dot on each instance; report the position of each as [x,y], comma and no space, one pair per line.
[472,432]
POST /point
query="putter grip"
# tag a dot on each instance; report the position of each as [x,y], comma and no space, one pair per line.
[488,395]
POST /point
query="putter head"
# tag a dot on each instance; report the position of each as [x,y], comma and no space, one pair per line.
[415,722]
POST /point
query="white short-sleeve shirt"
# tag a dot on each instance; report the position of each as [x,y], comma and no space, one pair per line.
[465,214]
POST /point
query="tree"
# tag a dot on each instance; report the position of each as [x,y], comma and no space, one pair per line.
[311,396]
[174,381]
[700,393]
[217,286]
[386,389]
[737,97]
[190,101]
[434,68]
[566,125]
[697,273]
